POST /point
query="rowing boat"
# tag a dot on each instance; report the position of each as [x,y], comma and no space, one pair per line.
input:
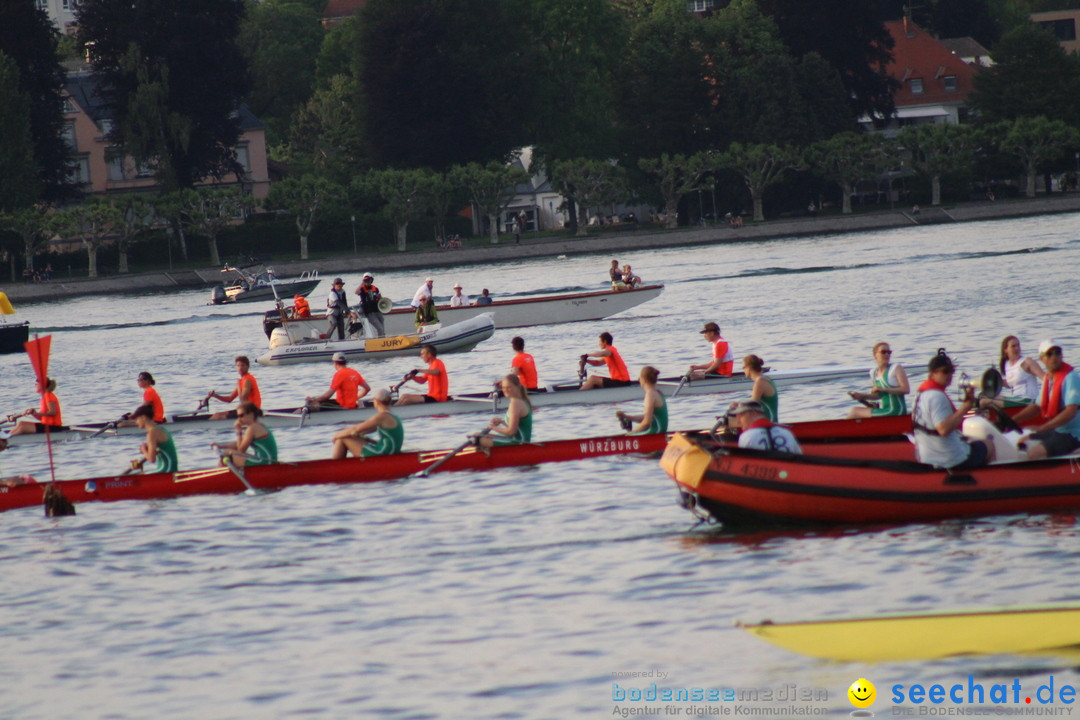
[928,635]
[553,395]
[458,337]
[221,480]
[520,312]
[752,487]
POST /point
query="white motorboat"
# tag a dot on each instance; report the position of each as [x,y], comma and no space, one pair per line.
[520,312]
[446,338]
[256,282]
[551,396]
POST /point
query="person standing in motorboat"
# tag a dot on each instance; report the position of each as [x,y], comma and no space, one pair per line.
[424,291]
[1021,375]
[337,309]
[1059,400]
[369,304]
[890,387]
[937,422]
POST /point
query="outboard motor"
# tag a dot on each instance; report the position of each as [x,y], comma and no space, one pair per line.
[218,296]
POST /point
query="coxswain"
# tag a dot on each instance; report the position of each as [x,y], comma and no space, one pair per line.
[46,416]
[301,309]
[764,390]
[337,308]
[523,364]
[654,418]
[936,422]
[515,427]
[369,304]
[159,447]
[150,397]
[723,360]
[424,291]
[347,387]
[758,432]
[389,432]
[426,314]
[890,387]
[255,443]
[434,375]
[247,390]
[1059,399]
[606,355]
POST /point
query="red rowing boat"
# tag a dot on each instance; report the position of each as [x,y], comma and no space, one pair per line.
[739,487]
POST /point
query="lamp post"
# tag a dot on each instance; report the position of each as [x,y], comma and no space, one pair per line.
[353,218]
[700,214]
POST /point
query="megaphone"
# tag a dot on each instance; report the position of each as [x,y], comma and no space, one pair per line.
[385,305]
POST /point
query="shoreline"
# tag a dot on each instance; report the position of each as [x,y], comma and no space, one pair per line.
[615,242]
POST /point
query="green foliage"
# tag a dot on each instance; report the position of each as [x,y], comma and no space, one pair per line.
[33,225]
[93,223]
[760,166]
[1034,142]
[18,179]
[405,192]
[588,183]
[327,134]
[490,187]
[938,150]
[849,157]
[209,210]
[675,175]
[305,199]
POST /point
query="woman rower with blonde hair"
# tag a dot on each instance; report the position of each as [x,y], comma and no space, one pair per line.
[890,386]
[515,427]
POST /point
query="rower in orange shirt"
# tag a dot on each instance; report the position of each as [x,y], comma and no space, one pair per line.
[48,415]
[434,375]
[524,365]
[150,396]
[723,359]
[345,386]
[606,355]
[247,390]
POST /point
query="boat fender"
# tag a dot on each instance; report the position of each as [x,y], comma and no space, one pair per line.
[684,461]
[5,305]
[218,296]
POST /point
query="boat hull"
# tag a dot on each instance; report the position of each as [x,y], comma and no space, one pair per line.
[13,336]
[453,338]
[286,289]
[526,312]
[747,487]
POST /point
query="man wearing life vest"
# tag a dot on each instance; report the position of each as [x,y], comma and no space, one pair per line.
[369,304]
[301,308]
[723,359]
[337,307]
[606,355]
[1059,399]
[759,433]
[937,422]
[347,386]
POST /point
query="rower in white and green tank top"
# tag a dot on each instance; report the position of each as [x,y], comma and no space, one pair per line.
[771,403]
[264,450]
[167,459]
[523,434]
[388,441]
[659,420]
[889,404]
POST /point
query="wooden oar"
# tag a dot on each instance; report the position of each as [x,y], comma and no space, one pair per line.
[473,440]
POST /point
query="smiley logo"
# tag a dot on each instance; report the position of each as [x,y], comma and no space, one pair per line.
[862,693]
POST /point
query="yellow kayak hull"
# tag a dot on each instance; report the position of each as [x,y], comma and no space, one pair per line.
[1044,629]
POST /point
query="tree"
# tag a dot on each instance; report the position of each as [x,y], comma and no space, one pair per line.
[590,183]
[93,222]
[851,37]
[171,207]
[29,38]
[18,179]
[1032,76]
[305,198]
[490,188]
[676,176]
[937,150]
[174,77]
[326,137]
[210,210]
[760,166]
[441,194]
[33,225]
[280,40]
[847,158]
[137,216]
[1034,142]
[405,193]
[437,90]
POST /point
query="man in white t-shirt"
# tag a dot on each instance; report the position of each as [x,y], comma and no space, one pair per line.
[937,422]
[759,433]
[422,292]
[457,299]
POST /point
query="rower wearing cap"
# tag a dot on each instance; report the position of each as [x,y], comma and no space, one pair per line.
[524,365]
[369,304]
[457,299]
[1059,399]
[606,355]
[151,397]
[389,432]
[758,432]
[434,376]
[247,390]
[424,291]
[337,308]
[347,386]
[723,360]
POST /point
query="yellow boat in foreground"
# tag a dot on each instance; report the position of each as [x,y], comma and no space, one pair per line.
[1042,629]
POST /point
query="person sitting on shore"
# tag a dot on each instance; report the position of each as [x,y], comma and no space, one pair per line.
[606,355]
[389,432]
[890,387]
[654,417]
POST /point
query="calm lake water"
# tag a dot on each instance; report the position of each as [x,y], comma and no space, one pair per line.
[519,593]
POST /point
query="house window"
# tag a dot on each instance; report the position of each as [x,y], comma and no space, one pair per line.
[42,4]
[116,169]
[699,5]
[68,136]
[80,172]
[243,158]
[69,105]
[916,86]
[106,126]
[949,81]
[1063,30]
